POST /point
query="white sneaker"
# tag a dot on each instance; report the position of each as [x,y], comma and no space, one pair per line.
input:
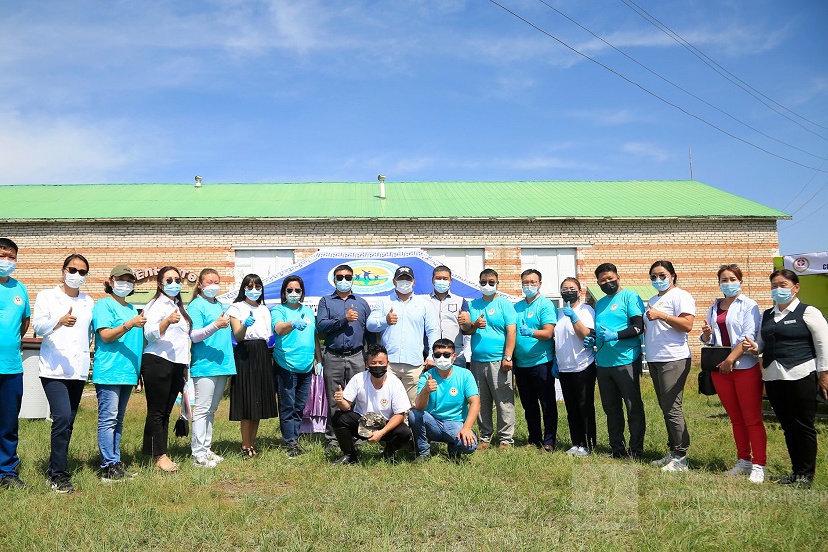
[663,461]
[214,457]
[757,474]
[577,451]
[676,465]
[202,461]
[742,467]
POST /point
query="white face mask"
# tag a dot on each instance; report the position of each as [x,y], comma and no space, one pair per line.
[443,363]
[211,290]
[122,289]
[404,286]
[74,281]
[488,290]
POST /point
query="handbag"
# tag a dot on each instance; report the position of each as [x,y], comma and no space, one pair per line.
[182,427]
[706,386]
[711,357]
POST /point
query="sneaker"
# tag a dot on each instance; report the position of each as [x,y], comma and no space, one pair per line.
[110,474]
[742,467]
[677,464]
[214,457]
[62,484]
[294,451]
[11,482]
[661,462]
[757,473]
[422,459]
[123,471]
[202,461]
[798,481]
[346,459]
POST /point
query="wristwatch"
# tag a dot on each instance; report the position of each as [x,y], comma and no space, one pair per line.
[507,357]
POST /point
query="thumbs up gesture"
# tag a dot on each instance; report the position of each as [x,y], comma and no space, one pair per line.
[480,322]
[351,315]
[569,312]
[706,330]
[431,383]
[463,318]
[138,321]
[338,393]
[222,321]
[249,321]
[749,346]
[174,317]
[67,319]
[391,318]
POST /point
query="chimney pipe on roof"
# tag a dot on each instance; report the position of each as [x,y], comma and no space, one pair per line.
[381,179]
[198,182]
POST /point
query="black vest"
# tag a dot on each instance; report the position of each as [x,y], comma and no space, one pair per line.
[789,341]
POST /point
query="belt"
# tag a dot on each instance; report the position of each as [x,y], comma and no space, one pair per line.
[348,352]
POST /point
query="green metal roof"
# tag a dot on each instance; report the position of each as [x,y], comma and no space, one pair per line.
[645,292]
[359,200]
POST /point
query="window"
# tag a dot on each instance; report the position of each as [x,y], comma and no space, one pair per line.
[553,264]
[263,262]
[465,262]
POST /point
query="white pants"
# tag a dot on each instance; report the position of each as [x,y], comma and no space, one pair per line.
[208,392]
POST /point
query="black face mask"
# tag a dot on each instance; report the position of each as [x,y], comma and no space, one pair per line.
[378,371]
[569,296]
[610,288]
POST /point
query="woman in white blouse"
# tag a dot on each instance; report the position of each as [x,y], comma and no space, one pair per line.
[63,316]
[164,362]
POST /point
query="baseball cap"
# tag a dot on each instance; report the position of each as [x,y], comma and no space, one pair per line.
[404,271]
[121,270]
[369,423]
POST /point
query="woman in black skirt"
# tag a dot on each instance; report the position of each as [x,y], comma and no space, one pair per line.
[253,388]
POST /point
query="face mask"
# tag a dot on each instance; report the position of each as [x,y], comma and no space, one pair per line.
[344,286]
[661,285]
[210,291]
[172,289]
[530,291]
[122,289]
[293,298]
[610,288]
[731,289]
[443,363]
[781,295]
[488,290]
[74,281]
[7,267]
[404,286]
[569,296]
[441,286]
[377,371]
[252,294]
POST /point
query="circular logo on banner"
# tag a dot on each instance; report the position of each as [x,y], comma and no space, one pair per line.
[801,264]
[370,276]
[18,300]
[453,391]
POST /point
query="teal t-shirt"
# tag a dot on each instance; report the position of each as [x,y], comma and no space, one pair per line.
[528,350]
[614,313]
[487,343]
[449,402]
[119,362]
[214,355]
[295,351]
[14,307]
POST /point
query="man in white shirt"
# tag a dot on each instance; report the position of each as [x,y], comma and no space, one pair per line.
[448,307]
[372,391]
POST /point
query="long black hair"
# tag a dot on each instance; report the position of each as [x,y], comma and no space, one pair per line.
[668,266]
[158,292]
[246,282]
[289,279]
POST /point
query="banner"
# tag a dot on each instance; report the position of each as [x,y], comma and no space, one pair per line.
[807,263]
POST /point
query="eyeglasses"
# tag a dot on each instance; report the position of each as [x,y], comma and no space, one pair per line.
[171,280]
[655,277]
[443,355]
[488,282]
[294,290]
[73,270]
[340,277]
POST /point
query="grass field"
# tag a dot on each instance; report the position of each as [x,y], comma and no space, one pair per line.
[518,499]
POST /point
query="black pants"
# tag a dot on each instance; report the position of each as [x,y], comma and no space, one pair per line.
[536,386]
[64,397]
[579,397]
[163,381]
[349,422]
[794,403]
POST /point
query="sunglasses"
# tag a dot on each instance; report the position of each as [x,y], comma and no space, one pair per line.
[73,270]
[171,280]
[655,277]
[340,277]
[294,290]
[489,282]
[726,266]
[253,286]
[443,355]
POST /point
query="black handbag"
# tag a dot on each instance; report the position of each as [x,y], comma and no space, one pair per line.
[706,386]
[182,427]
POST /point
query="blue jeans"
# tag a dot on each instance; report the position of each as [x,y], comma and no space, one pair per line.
[11,397]
[426,427]
[112,403]
[293,394]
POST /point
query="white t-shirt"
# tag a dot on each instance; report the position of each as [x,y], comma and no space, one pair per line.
[569,348]
[364,397]
[262,328]
[64,353]
[174,345]
[663,342]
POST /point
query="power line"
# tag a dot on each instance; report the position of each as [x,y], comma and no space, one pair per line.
[818,209]
[707,60]
[802,189]
[807,201]
[653,94]
[668,81]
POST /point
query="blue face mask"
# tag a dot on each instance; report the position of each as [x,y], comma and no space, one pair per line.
[7,267]
[172,289]
[293,298]
[441,286]
[731,289]
[252,294]
[661,285]
[530,291]
[781,296]
[344,286]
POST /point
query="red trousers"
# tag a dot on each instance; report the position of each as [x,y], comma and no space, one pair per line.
[741,394]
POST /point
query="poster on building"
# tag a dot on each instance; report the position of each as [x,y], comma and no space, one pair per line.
[807,263]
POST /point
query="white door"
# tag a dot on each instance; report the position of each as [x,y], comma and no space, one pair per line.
[463,261]
[263,262]
[553,264]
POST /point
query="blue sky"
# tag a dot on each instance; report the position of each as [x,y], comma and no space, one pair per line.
[277,91]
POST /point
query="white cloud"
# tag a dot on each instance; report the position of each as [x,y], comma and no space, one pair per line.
[647,150]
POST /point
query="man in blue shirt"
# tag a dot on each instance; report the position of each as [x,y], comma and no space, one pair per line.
[341,318]
[402,319]
[15,313]
[619,323]
[446,407]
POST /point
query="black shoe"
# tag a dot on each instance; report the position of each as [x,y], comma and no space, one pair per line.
[111,474]
[11,482]
[797,481]
[422,459]
[389,456]
[332,446]
[294,451]
[62,484]
[346,459]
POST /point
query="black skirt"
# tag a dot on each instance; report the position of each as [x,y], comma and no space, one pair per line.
[253,388]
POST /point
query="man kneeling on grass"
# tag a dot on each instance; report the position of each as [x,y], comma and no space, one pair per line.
[446,407]
[372,405]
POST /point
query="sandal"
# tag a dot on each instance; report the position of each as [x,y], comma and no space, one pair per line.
[172,467]
[248,452]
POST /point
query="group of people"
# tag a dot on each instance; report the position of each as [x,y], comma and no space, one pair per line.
[440,364]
